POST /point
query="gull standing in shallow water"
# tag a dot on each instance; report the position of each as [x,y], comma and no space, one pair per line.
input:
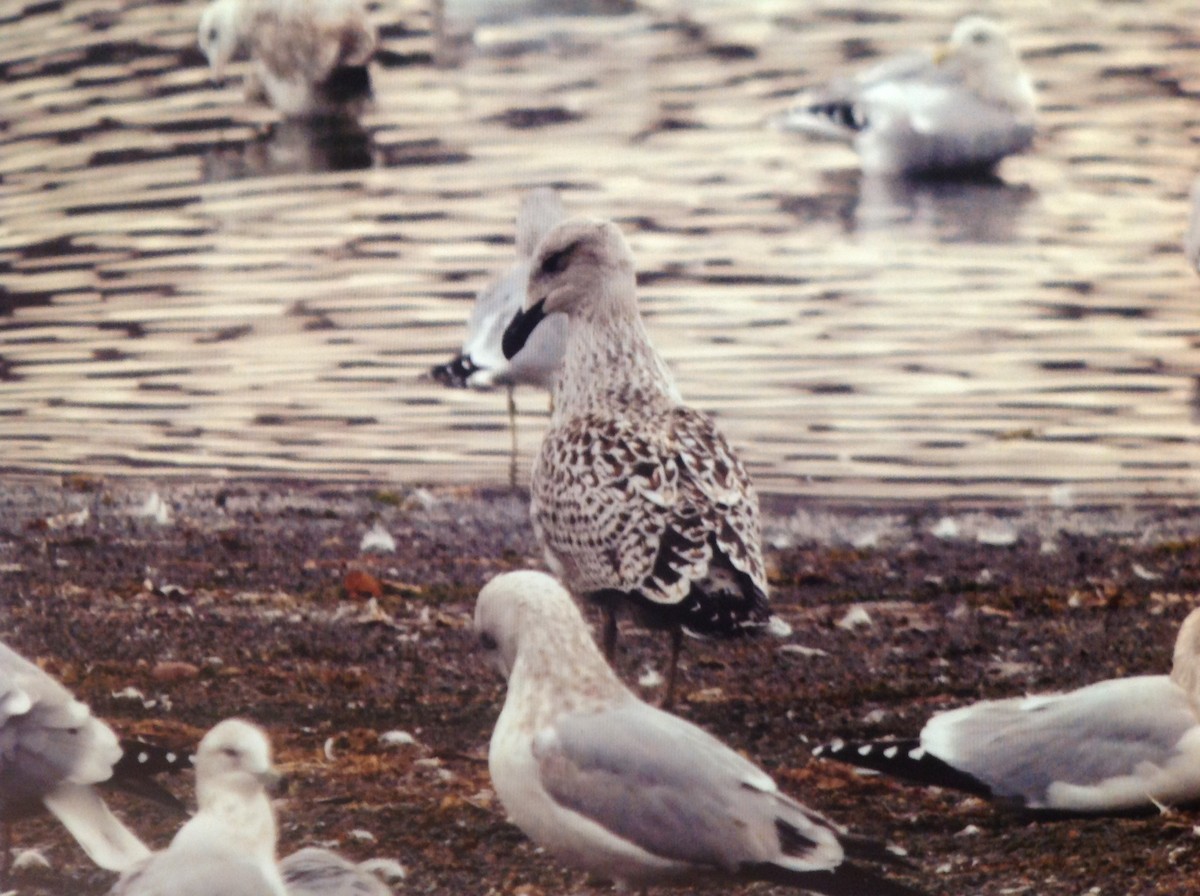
[637,499]
[481,363]
[228,847]
[1122,745]
[310,56]
[961,109]
[623,790]
[52,753]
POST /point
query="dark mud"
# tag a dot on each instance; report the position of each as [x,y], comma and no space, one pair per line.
[255,600]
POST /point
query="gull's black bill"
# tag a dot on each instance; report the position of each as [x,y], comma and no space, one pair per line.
[519,330]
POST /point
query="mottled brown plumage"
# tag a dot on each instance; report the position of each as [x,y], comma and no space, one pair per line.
[637,499]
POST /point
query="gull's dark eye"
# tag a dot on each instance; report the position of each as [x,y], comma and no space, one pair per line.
[212,35]
[230,751]
[487,642]
[556,262]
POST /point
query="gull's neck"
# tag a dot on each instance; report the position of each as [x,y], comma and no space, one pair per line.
[561,672]
[609,362]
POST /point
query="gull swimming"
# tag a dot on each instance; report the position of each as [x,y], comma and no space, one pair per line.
[309,56]
[228,847]
[637,499]
[1121,745]
[481,363]
[623,790]
[960,109]
[52,753]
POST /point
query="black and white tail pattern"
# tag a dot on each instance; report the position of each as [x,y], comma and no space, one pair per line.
[841,113]
[135,770]
[904,759]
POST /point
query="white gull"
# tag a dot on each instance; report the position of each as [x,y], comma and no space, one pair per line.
[962,108]
[618,788]
[1121,745]
[637,499]
[228,847]
[481,363]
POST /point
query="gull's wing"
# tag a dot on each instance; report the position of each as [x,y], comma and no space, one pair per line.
[665,785]
[320,872]
[1111,746]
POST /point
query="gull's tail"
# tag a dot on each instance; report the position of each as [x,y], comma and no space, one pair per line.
[904,759]
[823,114]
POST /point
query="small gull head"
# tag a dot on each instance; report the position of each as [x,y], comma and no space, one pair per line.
[980,50]
[234,755]
[219,34]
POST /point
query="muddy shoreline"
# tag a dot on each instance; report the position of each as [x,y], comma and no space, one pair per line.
[253,598]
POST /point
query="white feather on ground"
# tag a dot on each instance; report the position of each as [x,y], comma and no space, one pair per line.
[1125,744]
[618,788]
[52,753]
[309,57]
[963,108]
[228,847]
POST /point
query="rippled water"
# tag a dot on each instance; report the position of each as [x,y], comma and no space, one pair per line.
[188,287]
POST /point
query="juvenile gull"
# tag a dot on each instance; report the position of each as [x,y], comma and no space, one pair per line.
[321,872]
[1121,745]
[481,363]
[637,499]
[618,788]
[309,56]
[52,752]
[960,109]
[228,847]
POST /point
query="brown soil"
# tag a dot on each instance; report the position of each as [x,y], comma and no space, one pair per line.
[250,584]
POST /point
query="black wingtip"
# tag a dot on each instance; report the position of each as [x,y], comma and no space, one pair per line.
[134,771]
[906,760]
[454,373]
[521,328]
[847,879]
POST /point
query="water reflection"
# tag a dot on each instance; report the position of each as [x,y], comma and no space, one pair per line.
[292,147]
[975,210]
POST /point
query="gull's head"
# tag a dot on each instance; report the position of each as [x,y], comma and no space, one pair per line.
[980,50]
[234,755]
[219,34]
[516,606]
[583,267]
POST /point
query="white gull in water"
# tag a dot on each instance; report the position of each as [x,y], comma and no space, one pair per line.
[637,499]
[1122,745]
[228,847]
[313,871]
[481,363]
[620,789]
[962,108]
[52,753]
[309,56]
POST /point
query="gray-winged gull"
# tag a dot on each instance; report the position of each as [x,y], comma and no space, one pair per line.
[228,847]
[637,499]
[962,108]
[52,753]
[313,871]
[618,788]
[1121,745]
[481,363]
[309,56]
